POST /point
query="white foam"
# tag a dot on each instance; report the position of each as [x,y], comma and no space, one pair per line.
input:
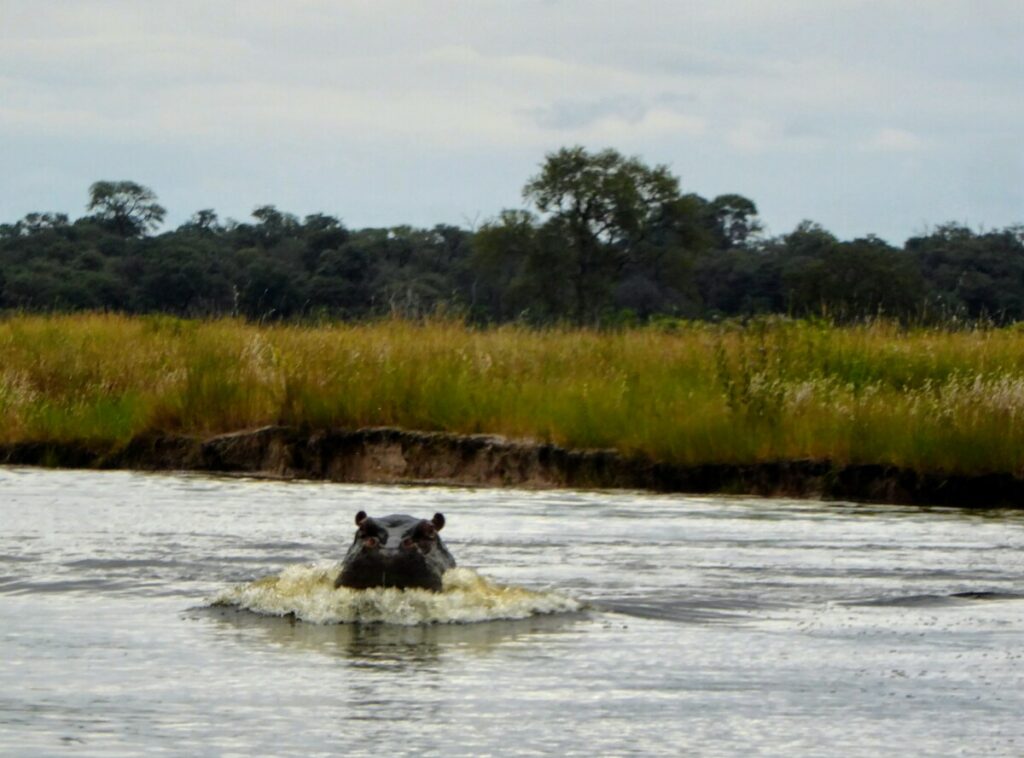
[307,590]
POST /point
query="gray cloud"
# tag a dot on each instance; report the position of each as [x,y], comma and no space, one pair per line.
[575,114]
[388,111]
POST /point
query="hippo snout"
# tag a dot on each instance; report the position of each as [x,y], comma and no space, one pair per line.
[396,551]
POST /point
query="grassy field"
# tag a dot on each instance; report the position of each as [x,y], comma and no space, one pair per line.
[926,399]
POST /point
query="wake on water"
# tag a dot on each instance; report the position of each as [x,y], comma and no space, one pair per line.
[307,591]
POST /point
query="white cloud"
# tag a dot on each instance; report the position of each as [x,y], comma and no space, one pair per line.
[894,141]
[720,89]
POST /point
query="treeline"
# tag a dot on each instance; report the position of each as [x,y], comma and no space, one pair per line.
[604,239]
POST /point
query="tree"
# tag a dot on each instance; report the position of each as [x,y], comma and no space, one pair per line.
[732,220]
[739,282]
[977,275]
[511,278]
[203,221]
[321,233]
[35,223]
[856,280]
[272,290]
[602,204]
[341,283]
[274,227]
[127,208]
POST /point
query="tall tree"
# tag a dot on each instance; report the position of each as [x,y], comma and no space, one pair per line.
[603,204]
[128,208]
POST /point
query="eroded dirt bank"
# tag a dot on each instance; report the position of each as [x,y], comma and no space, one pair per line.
[384,455]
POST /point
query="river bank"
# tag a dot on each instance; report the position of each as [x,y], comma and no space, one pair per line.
[874,412]
[389,455]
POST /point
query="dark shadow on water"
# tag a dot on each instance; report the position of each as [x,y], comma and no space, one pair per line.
[733,612]
[379,645]
[989,595]
[952,599]
[692,611]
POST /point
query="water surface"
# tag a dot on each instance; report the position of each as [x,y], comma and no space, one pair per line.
[648,624]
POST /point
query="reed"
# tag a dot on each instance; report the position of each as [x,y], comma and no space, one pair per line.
[923,398]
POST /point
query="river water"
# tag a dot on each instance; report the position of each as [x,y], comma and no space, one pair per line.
[135,620]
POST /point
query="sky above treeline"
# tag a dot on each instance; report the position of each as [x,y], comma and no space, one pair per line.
[867,116]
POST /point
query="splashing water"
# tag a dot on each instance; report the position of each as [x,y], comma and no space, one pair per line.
[307,591]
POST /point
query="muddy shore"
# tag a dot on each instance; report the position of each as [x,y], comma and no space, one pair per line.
[386,455]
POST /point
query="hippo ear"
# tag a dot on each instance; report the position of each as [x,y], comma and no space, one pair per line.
[438,521]
[360,518]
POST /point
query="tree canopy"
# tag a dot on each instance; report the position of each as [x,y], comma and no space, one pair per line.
[604,211]
[606,239]
[126,207]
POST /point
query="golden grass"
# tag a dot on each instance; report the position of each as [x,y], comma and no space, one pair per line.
[926,399]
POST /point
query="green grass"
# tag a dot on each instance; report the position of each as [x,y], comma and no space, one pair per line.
[923,398]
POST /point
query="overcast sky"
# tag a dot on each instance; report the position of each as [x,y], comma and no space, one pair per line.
[867,116]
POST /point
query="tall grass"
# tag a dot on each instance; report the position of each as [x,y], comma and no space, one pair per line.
[926,399]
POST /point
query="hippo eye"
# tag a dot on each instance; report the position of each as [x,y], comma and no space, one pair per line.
[370,530]
[425,537]
[425,531]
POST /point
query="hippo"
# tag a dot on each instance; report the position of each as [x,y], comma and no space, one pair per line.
[396,551]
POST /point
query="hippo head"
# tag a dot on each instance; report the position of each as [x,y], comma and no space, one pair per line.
[396,551]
